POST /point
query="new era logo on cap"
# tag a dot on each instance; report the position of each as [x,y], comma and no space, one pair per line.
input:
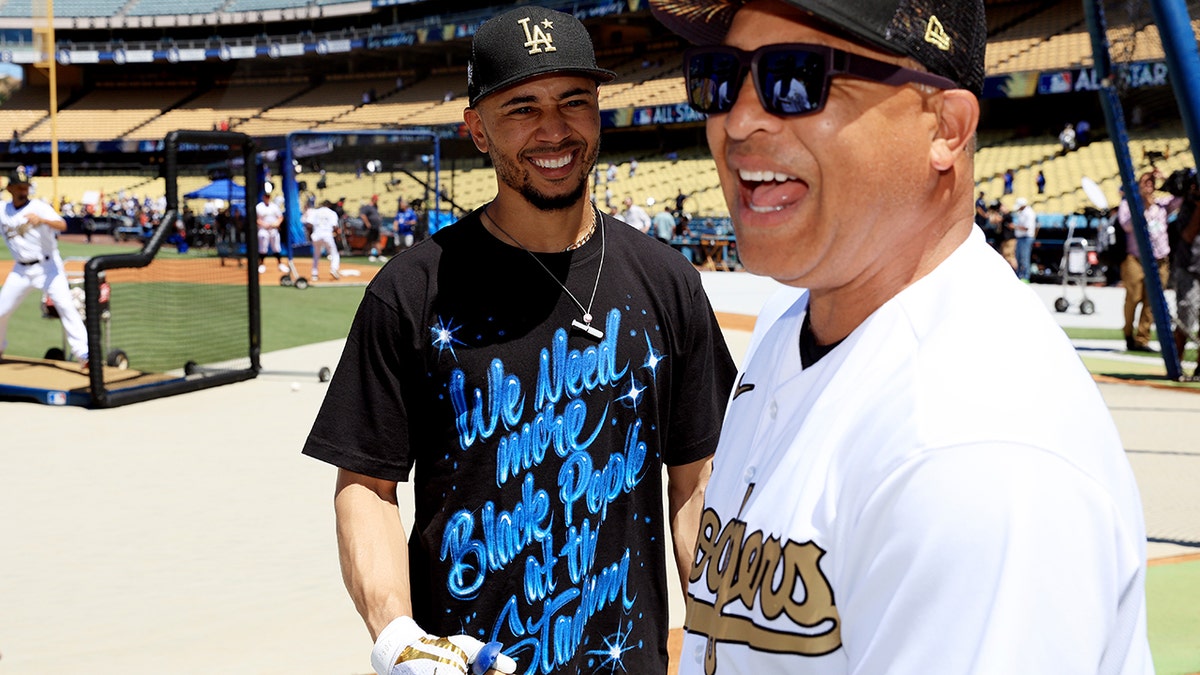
[526,42]
[935,34]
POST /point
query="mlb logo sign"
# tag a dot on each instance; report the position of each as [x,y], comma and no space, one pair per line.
[56,397]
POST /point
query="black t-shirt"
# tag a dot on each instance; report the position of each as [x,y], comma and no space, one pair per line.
[538,450]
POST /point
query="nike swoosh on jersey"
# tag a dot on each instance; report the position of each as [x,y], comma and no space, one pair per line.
[742,388]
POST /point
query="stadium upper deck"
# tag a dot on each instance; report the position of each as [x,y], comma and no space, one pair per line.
[268,67]
[1024,34]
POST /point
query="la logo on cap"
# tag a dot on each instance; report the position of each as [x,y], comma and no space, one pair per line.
[935,34]
[537,40]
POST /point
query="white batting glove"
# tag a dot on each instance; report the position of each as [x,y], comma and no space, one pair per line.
[404,648]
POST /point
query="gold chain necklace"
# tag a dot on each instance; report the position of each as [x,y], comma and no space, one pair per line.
[579,242]
[586,324]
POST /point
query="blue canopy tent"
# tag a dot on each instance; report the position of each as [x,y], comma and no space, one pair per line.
[225,189]
[221,189]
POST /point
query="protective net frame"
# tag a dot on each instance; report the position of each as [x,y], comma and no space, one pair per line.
[186,324]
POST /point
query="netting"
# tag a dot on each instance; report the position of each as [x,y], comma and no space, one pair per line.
[1132,34]
[1157,139]
[177,321]
[175,312]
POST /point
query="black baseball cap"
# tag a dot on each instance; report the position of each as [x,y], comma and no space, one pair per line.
[18,176]
[947,37]
[525,42]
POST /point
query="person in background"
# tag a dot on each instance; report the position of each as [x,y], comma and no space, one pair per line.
[1157,212]
[1006,241]
[1083,133]
[1066,138]
[636,216]
[269,218]
[663,224]
[322,225]
[684,232]
[1024,220]
[1186,274]
[31,228]
[981,215]
[868,510]
[372,222]
[405,223]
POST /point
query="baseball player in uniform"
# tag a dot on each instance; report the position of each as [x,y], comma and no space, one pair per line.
[888,495]
[269,218]
[322,223]
[30,230]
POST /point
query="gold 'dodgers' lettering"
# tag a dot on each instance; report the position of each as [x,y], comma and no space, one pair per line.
[737,567]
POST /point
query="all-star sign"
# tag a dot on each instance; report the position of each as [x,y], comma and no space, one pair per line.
[1132,75]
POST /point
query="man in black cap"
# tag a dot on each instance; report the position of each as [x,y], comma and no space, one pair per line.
[31,228]
[539,364]
[868,511]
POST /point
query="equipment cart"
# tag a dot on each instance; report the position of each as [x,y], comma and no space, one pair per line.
[112,357]
[1077,260]
[229,243]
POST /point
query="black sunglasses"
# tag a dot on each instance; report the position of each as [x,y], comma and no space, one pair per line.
[791,79]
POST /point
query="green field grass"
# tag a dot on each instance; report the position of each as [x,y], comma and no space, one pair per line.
[290,317]
[1173,615]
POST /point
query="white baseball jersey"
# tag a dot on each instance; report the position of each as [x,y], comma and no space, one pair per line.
[919,500]
[38,266]
[38,243]
[323,221]
[268,214]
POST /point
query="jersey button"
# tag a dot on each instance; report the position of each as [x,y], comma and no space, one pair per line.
[773,409]
[750,474]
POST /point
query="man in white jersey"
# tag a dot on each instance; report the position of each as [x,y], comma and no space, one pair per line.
[322,224]
[869,512]
[269,218]
[30,229]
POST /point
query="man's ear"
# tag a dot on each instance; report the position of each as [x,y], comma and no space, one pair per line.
[958,119]
[475,126]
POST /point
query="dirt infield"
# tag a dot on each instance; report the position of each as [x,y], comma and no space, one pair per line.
[210,270]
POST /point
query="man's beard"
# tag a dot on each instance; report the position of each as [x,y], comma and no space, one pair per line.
[512,175]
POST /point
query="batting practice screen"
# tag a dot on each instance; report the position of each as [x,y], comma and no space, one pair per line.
[163,320]
[191,321]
